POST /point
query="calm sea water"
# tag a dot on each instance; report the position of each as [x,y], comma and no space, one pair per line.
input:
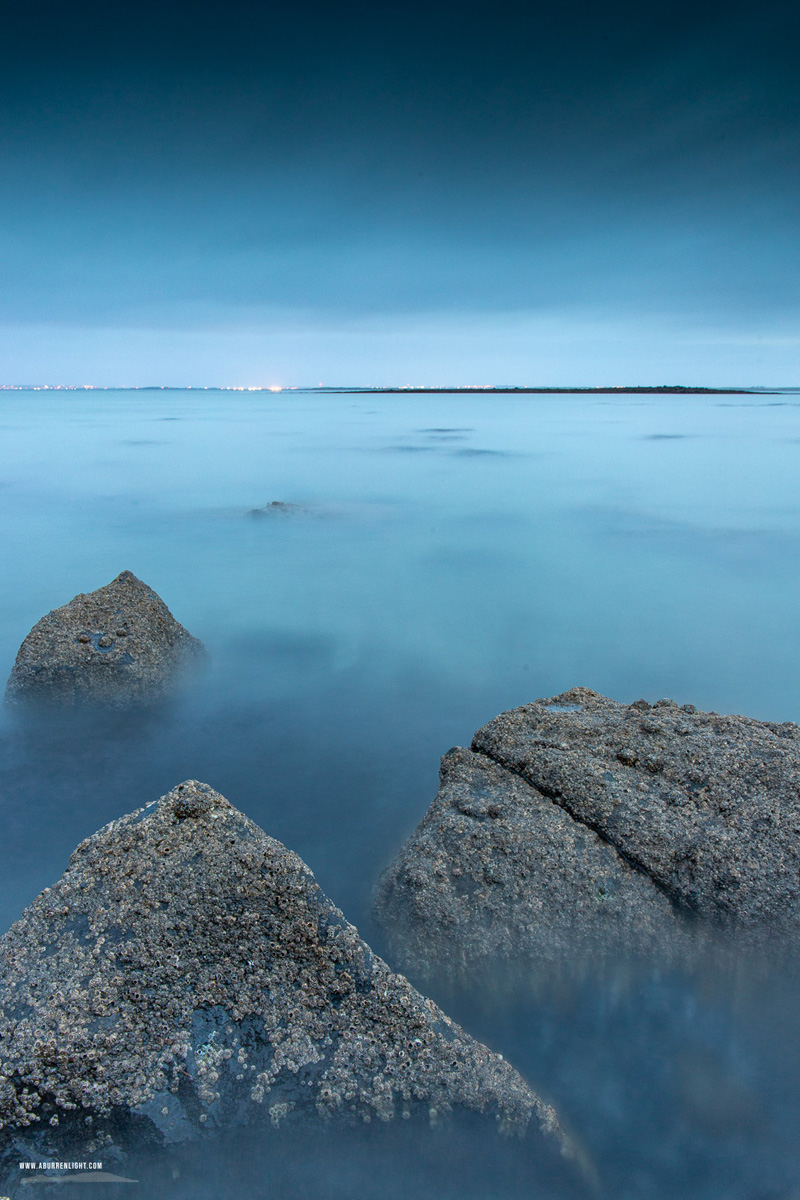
[448,557]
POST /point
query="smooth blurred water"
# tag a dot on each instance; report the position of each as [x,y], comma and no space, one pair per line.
[450,556]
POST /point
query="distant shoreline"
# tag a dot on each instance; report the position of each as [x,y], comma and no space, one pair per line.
[658,390]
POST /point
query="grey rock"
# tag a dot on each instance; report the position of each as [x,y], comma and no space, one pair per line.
[707,805]
[496,871]
[579,826]
[187,974]
[114,646]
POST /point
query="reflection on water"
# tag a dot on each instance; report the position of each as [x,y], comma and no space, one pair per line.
[639,546]
[456,1160]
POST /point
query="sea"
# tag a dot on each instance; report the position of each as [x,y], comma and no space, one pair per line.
[375,576]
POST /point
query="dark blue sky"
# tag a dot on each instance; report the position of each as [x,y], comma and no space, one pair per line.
[488,192]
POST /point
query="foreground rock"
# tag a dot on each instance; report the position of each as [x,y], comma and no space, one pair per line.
[577,823]
[187,974]
[117,645]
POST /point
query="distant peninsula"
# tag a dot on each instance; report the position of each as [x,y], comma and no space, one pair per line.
[660,390]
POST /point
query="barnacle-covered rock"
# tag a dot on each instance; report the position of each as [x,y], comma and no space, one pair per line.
[117,645]
[576,826]
[708,806]
[187,974]
[496,873]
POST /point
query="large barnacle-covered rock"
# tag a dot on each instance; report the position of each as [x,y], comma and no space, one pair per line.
[187,974]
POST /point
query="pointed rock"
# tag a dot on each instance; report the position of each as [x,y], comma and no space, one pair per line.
[117,645]
[187,973]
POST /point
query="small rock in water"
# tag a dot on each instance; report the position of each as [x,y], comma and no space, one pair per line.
[578,822]
[187,974]
[117,645]
[279,508]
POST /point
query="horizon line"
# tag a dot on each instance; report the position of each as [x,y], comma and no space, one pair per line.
[418,389]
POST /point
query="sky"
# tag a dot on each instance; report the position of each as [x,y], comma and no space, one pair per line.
[403,193]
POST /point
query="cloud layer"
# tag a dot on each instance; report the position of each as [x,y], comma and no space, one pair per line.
[181,169]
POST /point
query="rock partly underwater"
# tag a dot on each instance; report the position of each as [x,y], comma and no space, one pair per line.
[577,825]
[116,646]
[187,975]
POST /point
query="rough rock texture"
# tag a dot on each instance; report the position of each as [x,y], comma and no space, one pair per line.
[577,822]
[117,645]
[707,805]
[186,973]
[497,870]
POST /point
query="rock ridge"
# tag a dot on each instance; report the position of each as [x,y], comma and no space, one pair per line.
[497,870]
[556,798]
[707,805]
[576,826]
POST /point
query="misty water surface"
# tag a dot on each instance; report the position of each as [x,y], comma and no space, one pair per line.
[433,560]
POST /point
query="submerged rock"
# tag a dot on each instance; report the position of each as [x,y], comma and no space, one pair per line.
[577,821]
[117,645]
[187,974]
[277,508]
